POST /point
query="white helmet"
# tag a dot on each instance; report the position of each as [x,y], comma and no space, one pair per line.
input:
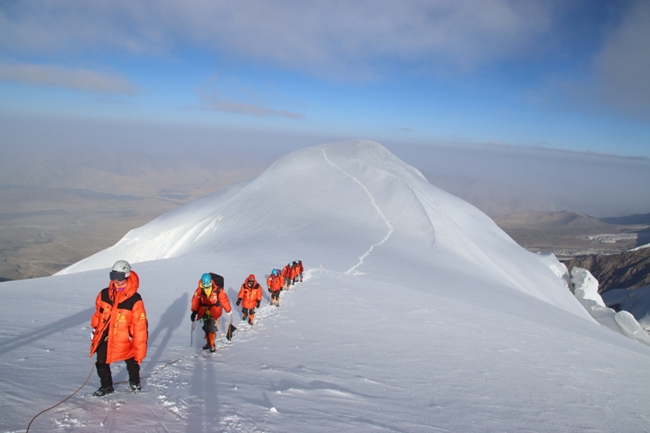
[122,266]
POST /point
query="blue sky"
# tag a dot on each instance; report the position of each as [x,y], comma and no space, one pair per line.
[570,75]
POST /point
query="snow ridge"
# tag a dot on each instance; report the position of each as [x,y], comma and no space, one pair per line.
[352,270]
[306,199]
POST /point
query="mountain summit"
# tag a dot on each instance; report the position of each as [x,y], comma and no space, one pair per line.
[348,207]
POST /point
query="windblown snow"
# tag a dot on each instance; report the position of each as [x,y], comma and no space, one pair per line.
[417,314]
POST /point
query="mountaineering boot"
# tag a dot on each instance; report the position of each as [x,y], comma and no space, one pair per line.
[104,390]
[135,386]
[250,319]
[211,340]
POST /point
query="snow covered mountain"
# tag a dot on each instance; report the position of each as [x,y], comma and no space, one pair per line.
[335,205]
[417,314]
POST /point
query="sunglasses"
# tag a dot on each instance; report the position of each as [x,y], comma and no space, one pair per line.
[117,276]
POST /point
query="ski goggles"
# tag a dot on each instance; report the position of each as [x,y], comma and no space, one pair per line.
[117,276]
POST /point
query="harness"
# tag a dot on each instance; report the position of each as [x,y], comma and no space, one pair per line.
[217,303]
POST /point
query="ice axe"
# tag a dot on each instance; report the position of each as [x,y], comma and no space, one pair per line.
[231,329]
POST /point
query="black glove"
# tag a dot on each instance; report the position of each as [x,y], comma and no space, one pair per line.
[193,316]
[269,290]
[258,304]
[238,301]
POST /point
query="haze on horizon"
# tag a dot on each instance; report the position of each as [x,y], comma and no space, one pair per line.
[123,160]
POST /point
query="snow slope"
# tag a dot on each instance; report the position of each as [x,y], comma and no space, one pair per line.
[417,314]
[306,198]
[585,289]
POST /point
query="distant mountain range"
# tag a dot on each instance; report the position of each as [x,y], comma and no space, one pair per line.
[535,220]
[632,219]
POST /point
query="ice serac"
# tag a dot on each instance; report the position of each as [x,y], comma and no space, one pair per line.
[351,207]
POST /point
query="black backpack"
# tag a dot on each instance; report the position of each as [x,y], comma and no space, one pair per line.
[218,280]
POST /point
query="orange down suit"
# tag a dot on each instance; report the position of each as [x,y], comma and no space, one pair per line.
[121,317]
[275,282]
[250,296]
[212,304]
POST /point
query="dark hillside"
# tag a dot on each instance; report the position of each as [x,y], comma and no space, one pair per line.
[631,219]
[628,270]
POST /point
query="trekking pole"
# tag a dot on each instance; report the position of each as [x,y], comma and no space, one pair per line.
[192,334]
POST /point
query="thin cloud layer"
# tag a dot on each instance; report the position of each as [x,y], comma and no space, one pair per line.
[213,102]
[483,70]
[331,38]
[58,76]
[623,66]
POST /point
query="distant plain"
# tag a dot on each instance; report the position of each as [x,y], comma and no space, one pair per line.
[570,234]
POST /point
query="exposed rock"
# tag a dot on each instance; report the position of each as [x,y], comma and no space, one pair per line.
[628,270]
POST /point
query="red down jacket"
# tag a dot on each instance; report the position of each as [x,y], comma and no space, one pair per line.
[250,296]
[212,305]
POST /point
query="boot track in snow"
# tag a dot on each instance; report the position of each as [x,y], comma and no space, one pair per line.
[373,202]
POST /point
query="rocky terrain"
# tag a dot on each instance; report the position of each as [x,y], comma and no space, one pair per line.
[607,247]
[628,270]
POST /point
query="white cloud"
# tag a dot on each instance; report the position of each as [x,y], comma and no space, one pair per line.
[333,38]
[623,66]
[57,76]
[217,104]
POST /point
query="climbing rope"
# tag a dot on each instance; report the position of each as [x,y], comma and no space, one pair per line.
[225,345]
[62,401]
